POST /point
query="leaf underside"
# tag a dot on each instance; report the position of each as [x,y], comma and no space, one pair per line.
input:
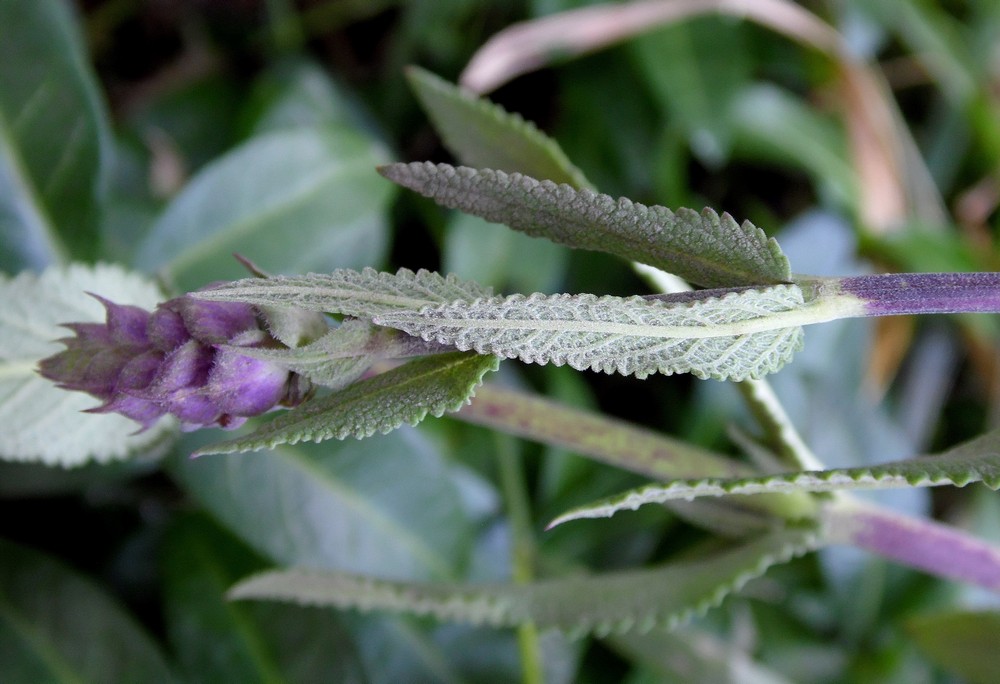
[362,294]
[631,336]
[614,602]
[974,461]
[706,249]
[406,394]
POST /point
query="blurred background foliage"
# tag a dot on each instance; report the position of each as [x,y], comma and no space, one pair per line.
[171,134]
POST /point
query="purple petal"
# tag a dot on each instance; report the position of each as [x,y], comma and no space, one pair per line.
[214,322]
[166,329]
[140,410]
[184,368]
[140,371]
[243,386]
[126,324]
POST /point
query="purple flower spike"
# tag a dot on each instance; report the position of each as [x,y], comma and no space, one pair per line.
[181,359]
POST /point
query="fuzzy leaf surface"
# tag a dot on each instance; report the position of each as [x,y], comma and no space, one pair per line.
[974,461]
[484,135]
[706,249]
[613,602]
[726,338]
[433,384]
[40,422]
[362,294]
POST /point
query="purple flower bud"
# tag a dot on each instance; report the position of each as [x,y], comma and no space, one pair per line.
[182,359]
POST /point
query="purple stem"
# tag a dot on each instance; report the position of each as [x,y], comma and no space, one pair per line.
[925,293]
[930,546]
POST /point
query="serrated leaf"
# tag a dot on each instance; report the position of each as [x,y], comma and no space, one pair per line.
[56,626]
[482,134]
[613,602]
[39,421]
[433,384]
[705,249]
[362,294]
[974,461]
[732,337]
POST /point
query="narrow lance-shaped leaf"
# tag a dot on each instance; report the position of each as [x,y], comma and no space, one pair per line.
[705,249]
[602,604]
[432,384]
[736,336]
[482,134]
[974,461]
[362,294]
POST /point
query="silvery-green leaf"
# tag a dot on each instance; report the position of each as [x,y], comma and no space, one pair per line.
[433,384]
[38,421]
[362,294]
[732,337]
[613,602]
[706,249]
[974,461]
[482,134]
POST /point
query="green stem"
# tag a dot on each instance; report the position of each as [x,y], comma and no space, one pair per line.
[515,495]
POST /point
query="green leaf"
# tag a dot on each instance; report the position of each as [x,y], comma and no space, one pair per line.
[56,626]
[355,506]
[291,200]
[613,602]
[39,421]
[963,642]
[433,384]
[217,640]
[483,135]
[705,249]
[54,138]
[974,461]
[732,337]
[361,294]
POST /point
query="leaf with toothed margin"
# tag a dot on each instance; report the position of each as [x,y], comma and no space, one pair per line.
[40,422]
[734,336]
[974,461]
[613,602]
[705,249]
[433,384]
[362,294]
[484,135]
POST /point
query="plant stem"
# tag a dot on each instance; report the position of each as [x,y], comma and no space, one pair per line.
[892,294]
[930,546]
[523,563]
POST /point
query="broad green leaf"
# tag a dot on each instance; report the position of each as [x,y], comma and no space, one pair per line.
[406,394]
[41,422]
[483,135]
[292,200]
[217,640]
[362,294]
[607,603]
[963,642]
[385,505]
[974,461]
[705,249]
[56,626]
[732,337]
[54,138]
